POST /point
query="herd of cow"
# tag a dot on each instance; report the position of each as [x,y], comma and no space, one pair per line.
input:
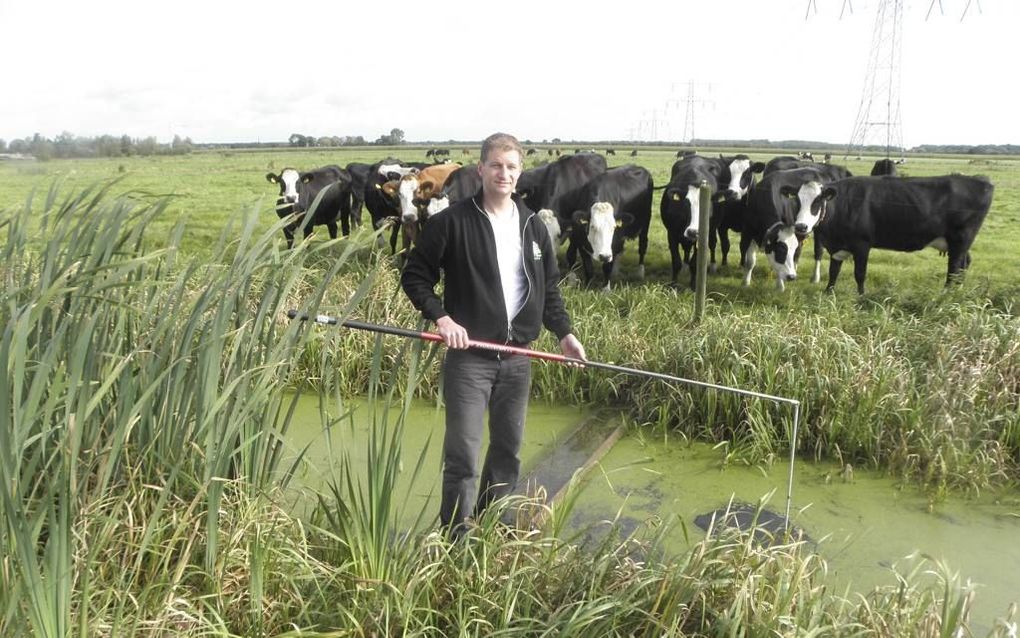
[596,209]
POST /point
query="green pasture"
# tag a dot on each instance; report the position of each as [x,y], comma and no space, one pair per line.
[210,188]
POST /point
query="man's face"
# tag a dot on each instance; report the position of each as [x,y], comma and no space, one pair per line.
[499,172]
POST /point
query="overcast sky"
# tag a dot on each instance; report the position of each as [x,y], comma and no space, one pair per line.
[220,71]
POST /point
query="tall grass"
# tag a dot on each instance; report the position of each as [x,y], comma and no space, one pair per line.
[144,410]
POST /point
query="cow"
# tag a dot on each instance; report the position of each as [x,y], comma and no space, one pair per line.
[633,153]
[728,179]
[769,220]
[610,151]
[462,183]
[556,186]
[884,167]
[783,196]
[903,214]
[359,180]
[382,208]
[682,153]
[415,192]
[613,206]
[531,152]
[806,155]
[331,185]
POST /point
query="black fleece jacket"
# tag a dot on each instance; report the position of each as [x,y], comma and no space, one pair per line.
[459,243]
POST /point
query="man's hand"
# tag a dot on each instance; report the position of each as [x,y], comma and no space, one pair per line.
[571,347]
[454,335]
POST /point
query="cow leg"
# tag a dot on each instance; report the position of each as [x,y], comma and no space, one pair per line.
[587,269]
[724,245]
[748,257]
[394,233]
[860,269]
[642,249]
[816,276]
[959,260]
[288,232]
[835,264]
[674,253]
[609,270]
[331,227]
[345,214]
[713,230]
[356,205]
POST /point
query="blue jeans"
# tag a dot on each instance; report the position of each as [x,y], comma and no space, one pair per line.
[472,383]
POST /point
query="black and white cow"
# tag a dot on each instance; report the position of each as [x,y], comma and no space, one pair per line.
[613,206]
[383,208]
[298,194]
[768,223]
[556,186]
[728,179]
[904,214]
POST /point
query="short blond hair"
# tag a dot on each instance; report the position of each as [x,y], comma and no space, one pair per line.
[501,142]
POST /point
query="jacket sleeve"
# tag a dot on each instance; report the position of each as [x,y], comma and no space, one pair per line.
[423,270]
[554,314]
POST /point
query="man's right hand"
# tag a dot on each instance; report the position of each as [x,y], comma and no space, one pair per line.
[454,335]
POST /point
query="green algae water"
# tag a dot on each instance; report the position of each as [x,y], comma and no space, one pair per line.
[861,523]
[422,441]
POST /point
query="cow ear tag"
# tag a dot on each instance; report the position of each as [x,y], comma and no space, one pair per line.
[676,197]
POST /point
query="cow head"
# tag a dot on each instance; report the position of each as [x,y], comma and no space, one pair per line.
[810,200]
[288,181]
[741,175]
[406,191]
[780,247]
[602,222]
[682,195]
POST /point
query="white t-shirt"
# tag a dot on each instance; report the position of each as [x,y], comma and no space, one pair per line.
[507,230]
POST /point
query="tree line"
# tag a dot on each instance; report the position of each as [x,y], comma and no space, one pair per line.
[67,145]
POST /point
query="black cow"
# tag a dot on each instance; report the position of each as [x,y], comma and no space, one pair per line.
[612,207]
[610,151]
[904,214]
[682,153]
[531,152]
[359,180]
[833,172]
[462,183]
[556,186]
[633,153]
[298,192]
[884,167]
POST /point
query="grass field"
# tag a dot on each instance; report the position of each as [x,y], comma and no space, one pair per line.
[143,402]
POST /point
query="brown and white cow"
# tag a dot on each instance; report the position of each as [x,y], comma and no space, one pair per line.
[415,193]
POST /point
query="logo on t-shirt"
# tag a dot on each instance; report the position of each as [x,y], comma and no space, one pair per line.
[536,251]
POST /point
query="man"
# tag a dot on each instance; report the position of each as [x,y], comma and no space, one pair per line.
[501,285]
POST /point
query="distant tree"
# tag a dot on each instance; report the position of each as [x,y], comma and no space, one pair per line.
[41,147]
[297,139]
[556,140]
[181,146]
[3,145]
[397,136]
[127,147]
